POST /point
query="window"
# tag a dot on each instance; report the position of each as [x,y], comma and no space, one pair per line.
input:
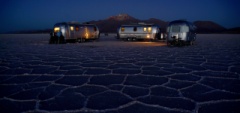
[134,28]
[77,28]
[56,29]
[71,28]
[168,29]
[86,32]
[144,29]
[149,29]
[175,28]
[184,29]
[122,29]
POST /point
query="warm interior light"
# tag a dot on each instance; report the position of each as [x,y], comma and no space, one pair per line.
[86,32]
[122,29]
[148,36]
[86,35]
[71,28]
[77,28]
[144,29]
[56,29]
[149,29]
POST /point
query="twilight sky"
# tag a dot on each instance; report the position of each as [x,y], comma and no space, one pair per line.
[42,14]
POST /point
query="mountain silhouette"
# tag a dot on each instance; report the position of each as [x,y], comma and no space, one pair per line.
[111,24]
[208,27]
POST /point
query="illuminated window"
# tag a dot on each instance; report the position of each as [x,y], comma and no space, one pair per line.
[86,35]
[77,28]
[56,29]
[149,29]
[144,29]
[148,36]
[86,32]
[71,28]
[122,29]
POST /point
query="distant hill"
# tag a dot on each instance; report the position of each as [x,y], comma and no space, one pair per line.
[122,17]
[208,27]
[233,31]
[113,22]
[161,23]
[110,25]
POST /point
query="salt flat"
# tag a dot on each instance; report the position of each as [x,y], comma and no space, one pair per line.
[111,75]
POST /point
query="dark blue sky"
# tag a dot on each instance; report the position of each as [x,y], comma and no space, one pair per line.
[42,14]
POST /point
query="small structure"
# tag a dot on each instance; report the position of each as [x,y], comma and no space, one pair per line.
[139,31]
[181,32]
[74,31]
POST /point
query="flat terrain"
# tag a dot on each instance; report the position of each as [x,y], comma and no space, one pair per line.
[113,76]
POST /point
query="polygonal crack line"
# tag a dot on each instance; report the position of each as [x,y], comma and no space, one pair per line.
[180,93]
[57,69]
[206,61]
[85,103]
[38,101]
[212,88]
[84,71]
[163,107]
[60,92]
[37,105]
[199,104]
[27,90]
[125,78]
[128,96]
[11,99]
[197,83]
[154,86]
[6,68]
[44,89]
[185,98]
[214,71]
[217,101]
[38,111]
[229,68]
[171,73]
[105,87]
[54,83]
[112,109]
[11,76]
[179,81]
[15,100]
[216,89]
[168,81]
[88,80]
[200,80]
[111,71]
[144,96]
[135,98]
[39,75]
[221,77]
